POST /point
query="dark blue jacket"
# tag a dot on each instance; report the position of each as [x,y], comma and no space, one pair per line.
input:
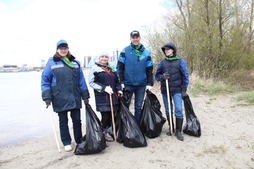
[63,85]
[134,70]
[179,77]
[98,80]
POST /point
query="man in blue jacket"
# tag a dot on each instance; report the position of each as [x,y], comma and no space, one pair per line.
[173,69]
[135,70]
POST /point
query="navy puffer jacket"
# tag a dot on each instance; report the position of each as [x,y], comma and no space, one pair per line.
[99,78]
[179,77]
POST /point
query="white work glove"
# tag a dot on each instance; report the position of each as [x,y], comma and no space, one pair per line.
[108,89]
[122,85]
[149,87]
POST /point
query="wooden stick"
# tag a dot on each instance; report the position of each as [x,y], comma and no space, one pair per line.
[113,117]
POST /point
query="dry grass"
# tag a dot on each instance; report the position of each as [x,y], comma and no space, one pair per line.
[243,78]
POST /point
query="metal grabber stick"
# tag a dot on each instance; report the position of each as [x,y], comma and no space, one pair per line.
[54,128]
[113,117]
[170,117]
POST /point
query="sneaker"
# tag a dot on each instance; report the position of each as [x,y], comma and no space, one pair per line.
[108,137]
[67,148]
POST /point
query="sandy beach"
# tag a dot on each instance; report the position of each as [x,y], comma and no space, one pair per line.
[227,141]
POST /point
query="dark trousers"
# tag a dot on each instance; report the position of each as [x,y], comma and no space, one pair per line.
[106,119]
[64,128]
[139,92]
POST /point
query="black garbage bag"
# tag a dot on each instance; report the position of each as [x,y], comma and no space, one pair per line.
[118,120]
[152,120]
[94,141]
[126,97]
[128,130]
[192,126]
[119,127]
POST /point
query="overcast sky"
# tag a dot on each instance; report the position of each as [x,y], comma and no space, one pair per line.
[30,29]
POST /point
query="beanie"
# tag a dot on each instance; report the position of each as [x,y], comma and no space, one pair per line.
[61,43]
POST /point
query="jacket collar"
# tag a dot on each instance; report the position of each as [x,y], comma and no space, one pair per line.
[55,58]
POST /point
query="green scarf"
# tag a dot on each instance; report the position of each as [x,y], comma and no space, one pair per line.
[135,50]
[110,68]
[172,58]
[68,62]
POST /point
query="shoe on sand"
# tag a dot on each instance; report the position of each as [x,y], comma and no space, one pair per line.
[67,148]
[108,137]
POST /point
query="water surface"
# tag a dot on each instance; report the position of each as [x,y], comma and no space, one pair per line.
[23,113]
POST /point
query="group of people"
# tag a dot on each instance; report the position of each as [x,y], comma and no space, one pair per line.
[63,84]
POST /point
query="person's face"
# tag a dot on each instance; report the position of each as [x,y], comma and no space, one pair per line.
[103,60]
[169,51]
[63,51]
[135,40]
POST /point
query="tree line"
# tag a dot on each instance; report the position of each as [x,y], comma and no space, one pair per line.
[215,37]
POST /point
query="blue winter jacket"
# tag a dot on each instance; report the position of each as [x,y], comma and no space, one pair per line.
[63,85]
[134,70]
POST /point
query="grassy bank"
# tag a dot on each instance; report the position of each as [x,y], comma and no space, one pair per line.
[215,87]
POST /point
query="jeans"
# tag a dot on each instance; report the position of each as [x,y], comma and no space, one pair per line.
[139,92]
[64,129]
[177,99]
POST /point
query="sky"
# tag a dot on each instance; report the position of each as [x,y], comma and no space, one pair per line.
[30,29]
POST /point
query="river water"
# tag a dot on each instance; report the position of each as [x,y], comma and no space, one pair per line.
[23,113]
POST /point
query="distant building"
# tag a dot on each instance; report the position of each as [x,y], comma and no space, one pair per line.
[87,61]
[10,68]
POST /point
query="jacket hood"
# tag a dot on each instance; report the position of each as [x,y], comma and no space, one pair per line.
[169,45]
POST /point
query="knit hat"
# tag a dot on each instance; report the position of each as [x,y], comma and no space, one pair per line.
[104,54]
[61,43]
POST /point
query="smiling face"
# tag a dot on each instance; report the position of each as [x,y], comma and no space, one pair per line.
[169,52]
[103,60]
[135,40]
[63,51]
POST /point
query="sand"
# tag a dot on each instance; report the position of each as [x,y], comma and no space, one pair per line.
[227,141]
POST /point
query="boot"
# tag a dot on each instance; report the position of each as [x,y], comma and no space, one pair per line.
[169,131]
[107,136]
[178,134]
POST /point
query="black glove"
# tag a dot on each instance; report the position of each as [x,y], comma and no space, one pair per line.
[48,102]
[184,95]
[165,76]
[86,101]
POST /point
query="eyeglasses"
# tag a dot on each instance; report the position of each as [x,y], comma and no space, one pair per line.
[63,48]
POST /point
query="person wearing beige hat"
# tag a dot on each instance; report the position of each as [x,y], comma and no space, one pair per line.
[104,80]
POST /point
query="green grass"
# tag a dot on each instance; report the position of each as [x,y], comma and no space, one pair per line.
[215,87]
[211,87]
[247,96]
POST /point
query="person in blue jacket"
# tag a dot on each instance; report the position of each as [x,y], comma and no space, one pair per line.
[135,71]
[63,84]
[173,68]
[104,80]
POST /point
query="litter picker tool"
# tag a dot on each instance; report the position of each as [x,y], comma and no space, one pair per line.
[168,97]
[54,128]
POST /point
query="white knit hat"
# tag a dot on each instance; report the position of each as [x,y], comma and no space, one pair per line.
[103,54]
